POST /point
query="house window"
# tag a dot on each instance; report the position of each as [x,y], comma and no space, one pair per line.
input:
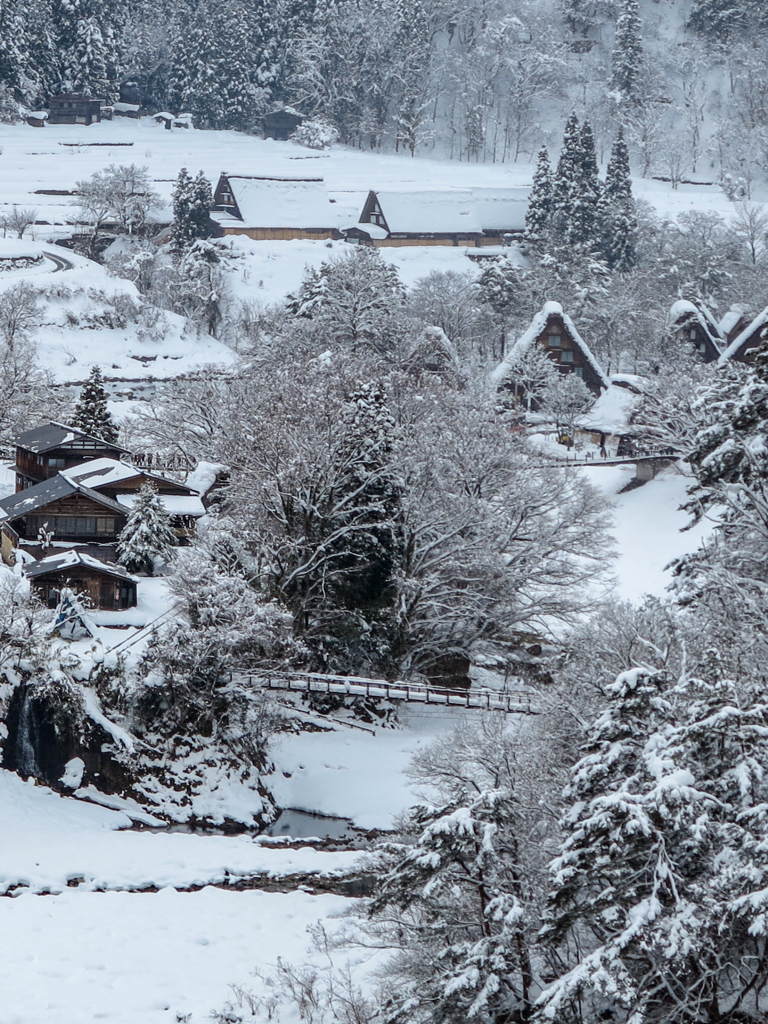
[566,356]
[57,463]
[579,371]
[693,334]
[554,341]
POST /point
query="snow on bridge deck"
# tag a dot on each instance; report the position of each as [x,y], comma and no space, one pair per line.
[514,702]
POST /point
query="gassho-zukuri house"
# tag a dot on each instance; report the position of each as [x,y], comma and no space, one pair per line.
[556,334]
[282,208]
[273,208]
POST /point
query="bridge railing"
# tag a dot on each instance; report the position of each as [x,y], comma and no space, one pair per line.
[511,702]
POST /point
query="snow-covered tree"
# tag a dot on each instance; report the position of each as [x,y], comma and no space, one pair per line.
[358,299]
[539,212]
[627,51]
[583,227]
[617,210]
[529,376]
[147,535]
[91,413]
[565,398]
[192,202]
[566,179]
[315,133]
[456,897]
[660,883]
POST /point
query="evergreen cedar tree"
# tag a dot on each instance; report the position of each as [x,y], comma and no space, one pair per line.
[573,208]
[192,203]
[627,55]
[540,200]
[660,883]
[91,414]
[147,534]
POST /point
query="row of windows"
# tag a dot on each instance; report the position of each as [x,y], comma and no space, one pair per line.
[68,526]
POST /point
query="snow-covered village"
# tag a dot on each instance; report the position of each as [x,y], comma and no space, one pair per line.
[384,512]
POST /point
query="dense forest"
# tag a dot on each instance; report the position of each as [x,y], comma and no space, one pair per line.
[474,81]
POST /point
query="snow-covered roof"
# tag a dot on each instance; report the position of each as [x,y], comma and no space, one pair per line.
[503,208]
[372,230]
[536,327]
[612,412]
[174,504]
[410,210]
[731,318]
[46,492]
[53,435]
[69,559]
[99,473]
[204,476]
[348,204]
[282,202]
[752,328]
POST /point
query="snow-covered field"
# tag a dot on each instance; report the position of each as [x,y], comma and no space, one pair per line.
[646,528]
[49,840]
[144,958]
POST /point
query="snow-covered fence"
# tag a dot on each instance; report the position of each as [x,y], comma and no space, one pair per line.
[515,702]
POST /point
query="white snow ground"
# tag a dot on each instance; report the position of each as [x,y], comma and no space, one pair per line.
[144,958]
[646,528]
[47,840]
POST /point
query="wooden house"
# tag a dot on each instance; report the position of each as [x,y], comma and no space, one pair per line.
[273,208]
[281,124]
[694,325]
[71,512]
[108,587]
[744,346]
[556,334]
[73,108]
[122,482]
[45,450]
[414,216]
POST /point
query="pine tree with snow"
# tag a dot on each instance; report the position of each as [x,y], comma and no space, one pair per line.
[147,534]
[192,202]
[627,55]
[618,214]
[500,286]
[566,179]
[455,900]
[582,228]
[91,414]
[662,875]
[539,212]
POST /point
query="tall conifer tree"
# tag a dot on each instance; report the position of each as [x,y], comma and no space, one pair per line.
[627,51]
[566,177]
[539,213]
[91,413]
[619,218]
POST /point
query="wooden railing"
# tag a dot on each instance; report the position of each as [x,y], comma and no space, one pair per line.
[514,702]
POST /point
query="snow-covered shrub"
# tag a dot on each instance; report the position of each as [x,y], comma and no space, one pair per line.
[316,133]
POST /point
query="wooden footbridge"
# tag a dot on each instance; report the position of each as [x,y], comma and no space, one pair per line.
[647,464]
[511,702]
